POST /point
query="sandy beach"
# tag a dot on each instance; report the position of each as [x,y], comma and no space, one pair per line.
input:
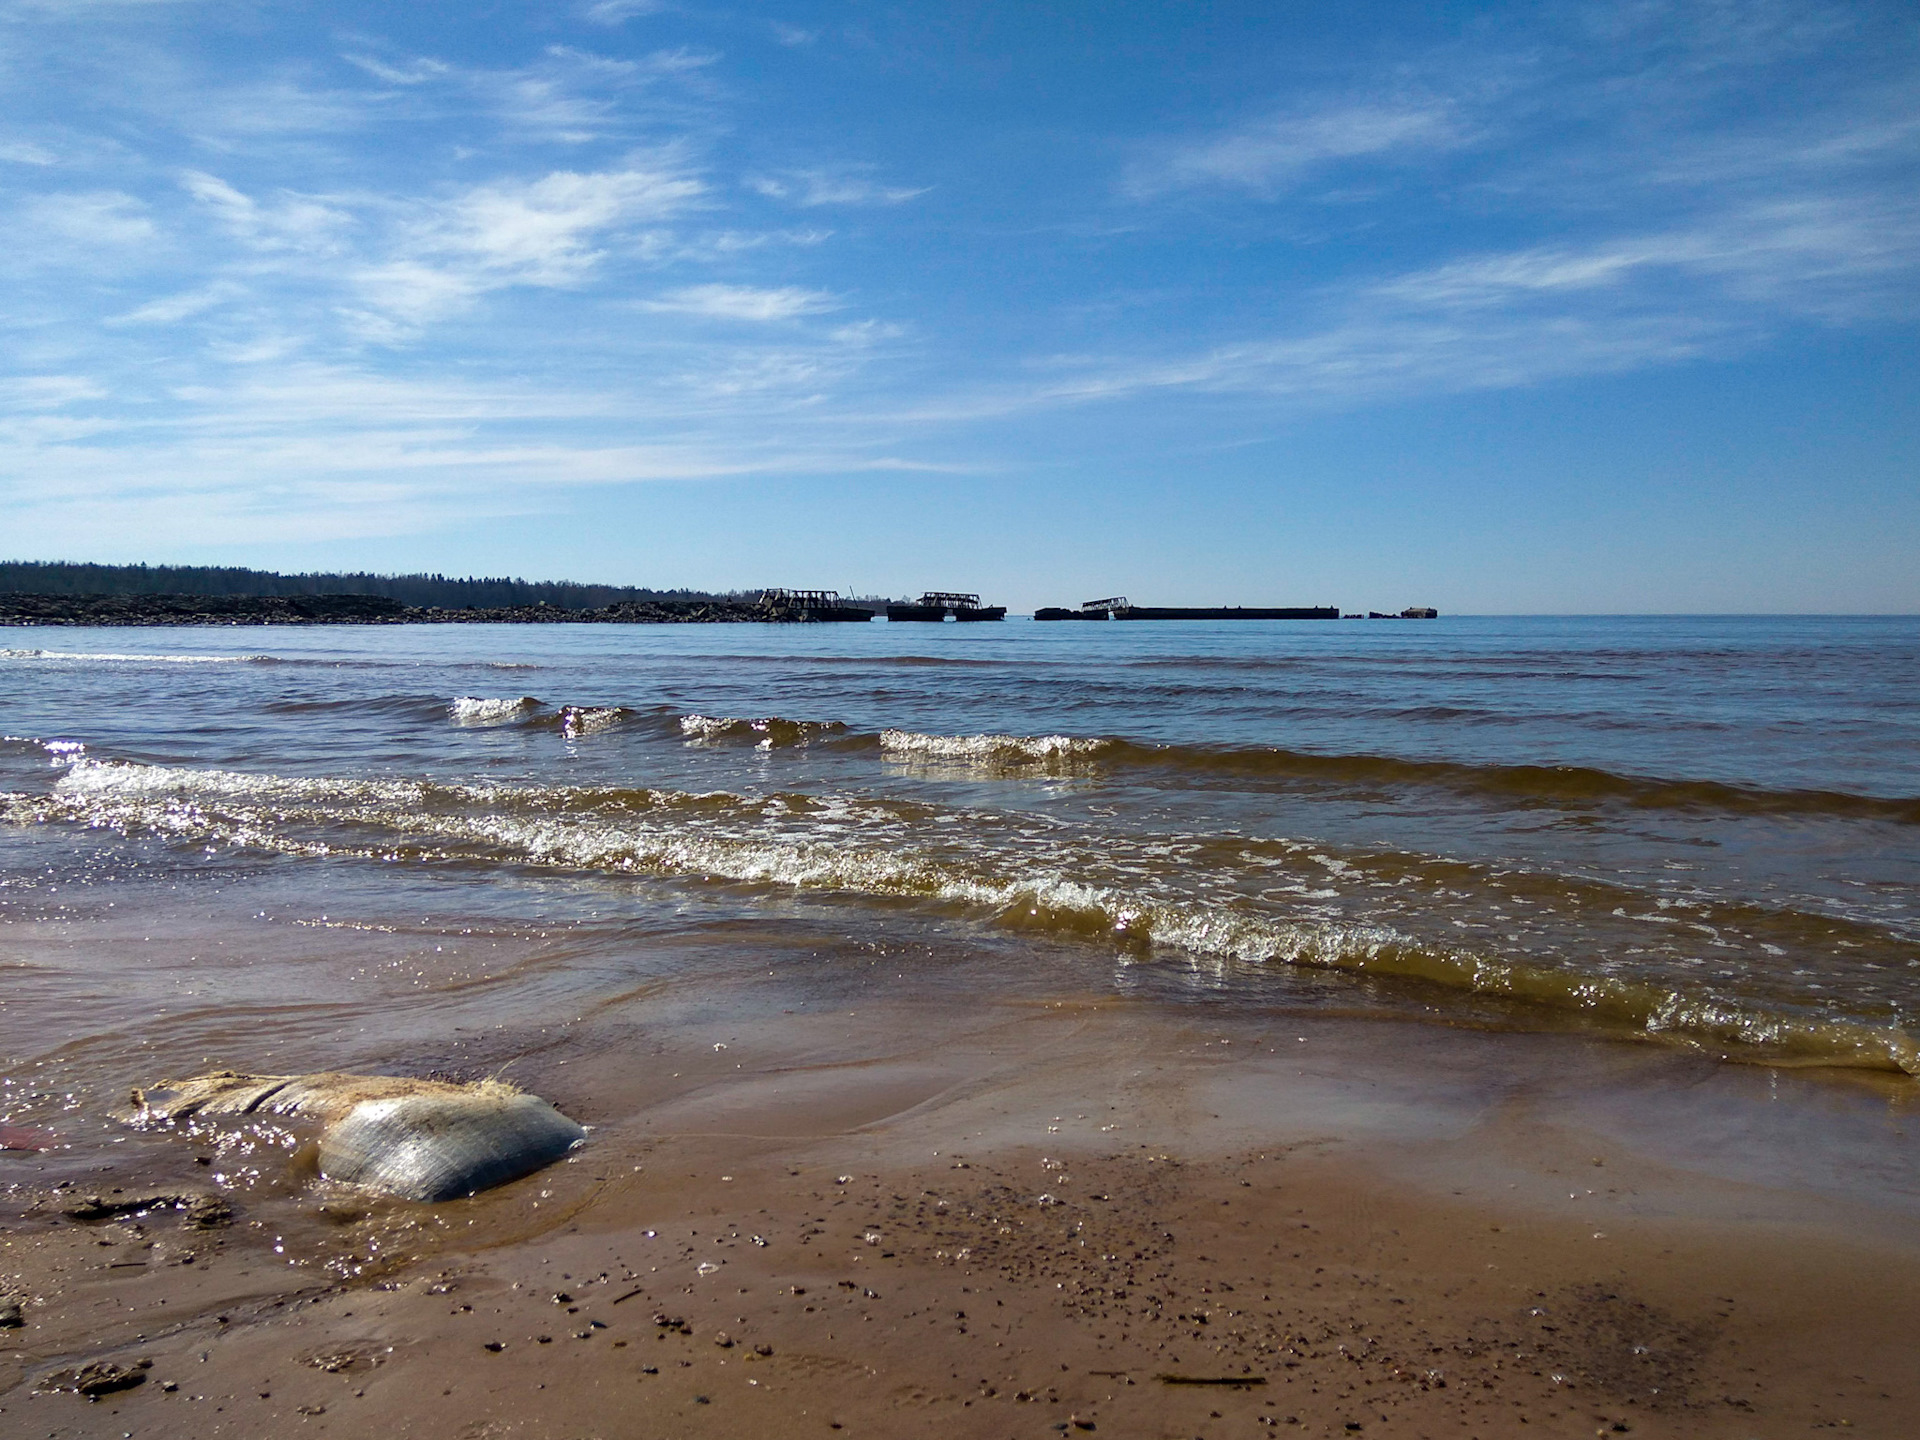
[1060,1217]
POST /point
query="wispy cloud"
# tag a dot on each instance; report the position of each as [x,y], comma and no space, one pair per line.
[263,111]
[618,12]
[49,392]
[286,222]
[1814,255]
[303,452]
[25,152]
[831,187]
[172,309]
[1277,151]
[544,233]
[1651,210]
[1524,317]
[413,72]
[744,302]
[63,227]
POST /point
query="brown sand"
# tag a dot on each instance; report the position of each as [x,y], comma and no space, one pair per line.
[1077,1219]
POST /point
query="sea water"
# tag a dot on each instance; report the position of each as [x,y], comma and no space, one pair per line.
[441,848]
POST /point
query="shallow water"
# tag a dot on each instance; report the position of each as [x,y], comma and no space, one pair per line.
[451,847]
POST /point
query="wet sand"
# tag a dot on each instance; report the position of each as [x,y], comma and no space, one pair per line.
[1083,1216]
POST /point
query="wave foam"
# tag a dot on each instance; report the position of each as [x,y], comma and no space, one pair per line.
[990,749]
[766,732]
[106,656]
[62,751]
[479,710]
[577,720]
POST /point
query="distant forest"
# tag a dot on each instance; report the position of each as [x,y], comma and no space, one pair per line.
[54,577]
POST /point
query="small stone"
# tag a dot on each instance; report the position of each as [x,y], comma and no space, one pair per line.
[94,1379]
[723,1340]
[208,1212]
[13,1312]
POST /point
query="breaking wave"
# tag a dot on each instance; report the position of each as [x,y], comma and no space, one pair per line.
[991,749]
[576,720]
[1163,892]
[767,733]
[477,710]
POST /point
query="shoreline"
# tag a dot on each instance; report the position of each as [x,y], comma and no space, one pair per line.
[1046,1208]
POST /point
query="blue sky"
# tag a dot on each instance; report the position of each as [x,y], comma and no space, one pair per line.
[1549,307]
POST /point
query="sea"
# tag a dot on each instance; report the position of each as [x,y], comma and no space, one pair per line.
[446,849]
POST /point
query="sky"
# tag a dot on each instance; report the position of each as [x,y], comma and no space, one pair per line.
[1551,307]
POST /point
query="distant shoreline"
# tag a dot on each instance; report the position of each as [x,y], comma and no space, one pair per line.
[171,610]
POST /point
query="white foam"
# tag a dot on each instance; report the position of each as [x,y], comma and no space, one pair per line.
[989,748]
[481,710]
[586,719]
[106,656]
[63,751]
[767,731]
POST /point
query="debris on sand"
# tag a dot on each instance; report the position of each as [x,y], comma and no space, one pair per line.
[201,1210]
[414,1139]
[96,1378]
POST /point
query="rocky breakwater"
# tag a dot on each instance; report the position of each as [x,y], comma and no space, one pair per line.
[367,610]
[201,610]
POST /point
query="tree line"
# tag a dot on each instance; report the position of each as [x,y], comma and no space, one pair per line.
[58,577]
